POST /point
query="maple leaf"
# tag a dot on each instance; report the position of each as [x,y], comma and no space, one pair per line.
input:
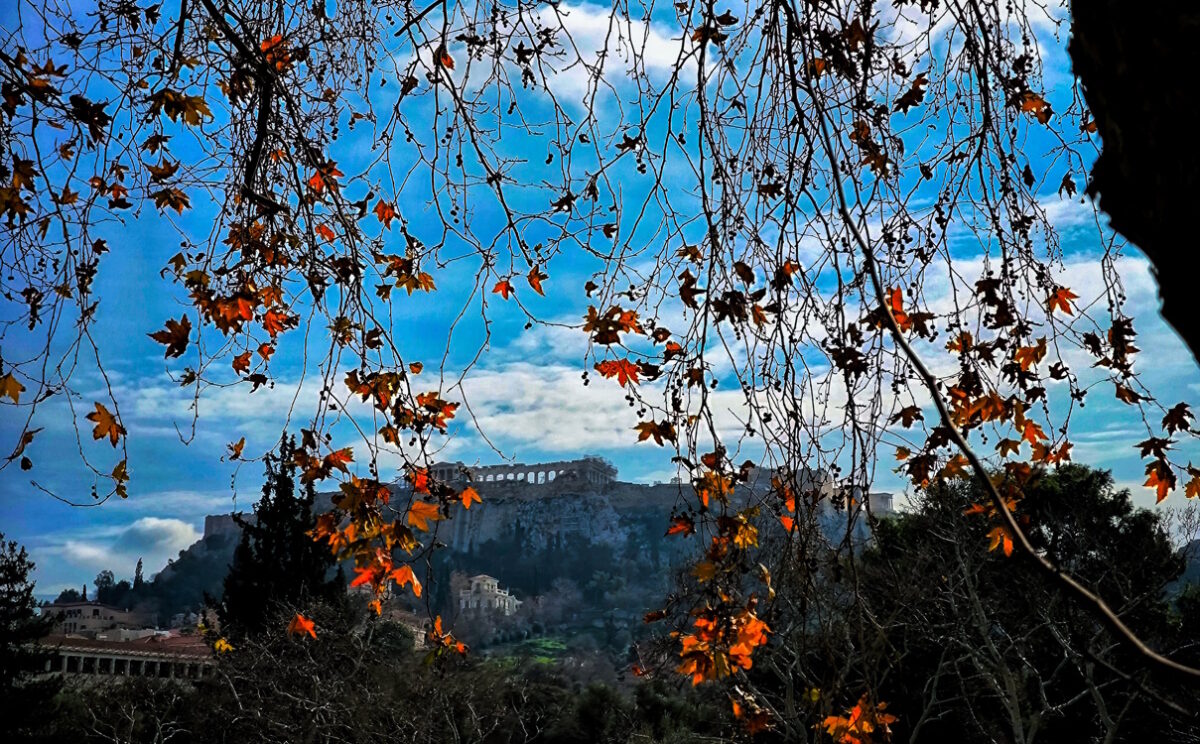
[175,336]
[535,278]
[404,576]
[1127,395]
[1192,489]
[419,478]
[503,288]
[682,524]
[241,362]
[222,646]
[913,95]
[469,495]
[1032,103]
[106,425]
[1008,447]
[326,175]
[896,302]
[421,513]
[906,416]
[324,232]
[861,724]
[338,459]
[659,431]
[178,105]
[235,449]
[386,212]
[1032,432]
[1061,298]
[999,537]
[11,387]
[301,625]
[624,370]
[1176,419]
[120,475]
[1160,477]
[171,198]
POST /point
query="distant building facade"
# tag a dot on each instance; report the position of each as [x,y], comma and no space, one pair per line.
[89,618]
[484,596]
[165,657]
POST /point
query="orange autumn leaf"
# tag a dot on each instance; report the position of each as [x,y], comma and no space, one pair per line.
[535,278]
[1032,103]
[682,525]
[659,431]
[1027,356]
[469,495]
[419,478]
[301,625]
[1061,299]
[324,232]
[863,724]
[106,425]
[1000,538]
[241,363]
[1192,489]
[421,513]
[404,576]
[503,288]
[339,459]
[896,302]
[1160,477]
[1032,432]
[624,370]
[235,449]
[386,212]
[11,387]
[443,58]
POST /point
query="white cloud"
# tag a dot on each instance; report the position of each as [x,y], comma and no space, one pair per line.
[154,540]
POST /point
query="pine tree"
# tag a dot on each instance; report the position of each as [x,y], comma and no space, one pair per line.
[277,567]
[24,700]
[138,581]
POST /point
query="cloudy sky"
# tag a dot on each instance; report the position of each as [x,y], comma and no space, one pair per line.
[525,393]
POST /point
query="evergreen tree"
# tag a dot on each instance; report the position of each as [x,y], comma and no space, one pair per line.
[277,567]
[24,700]
[68,595]
[138,581]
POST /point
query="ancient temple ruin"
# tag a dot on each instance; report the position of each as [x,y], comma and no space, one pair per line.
[588,470]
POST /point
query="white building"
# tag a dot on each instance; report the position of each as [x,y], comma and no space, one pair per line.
[485,596]
[89,618]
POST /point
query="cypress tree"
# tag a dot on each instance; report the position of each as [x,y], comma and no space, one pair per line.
[277,567]
[25,700]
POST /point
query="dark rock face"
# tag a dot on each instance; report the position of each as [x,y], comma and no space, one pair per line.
[1138,64]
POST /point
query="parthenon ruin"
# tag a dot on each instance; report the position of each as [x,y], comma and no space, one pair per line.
[589,470]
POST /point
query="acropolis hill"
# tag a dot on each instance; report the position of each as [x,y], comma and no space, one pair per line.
[578,500]
[538,503]
[541,522]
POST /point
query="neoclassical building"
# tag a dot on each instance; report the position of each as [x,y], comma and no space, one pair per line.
[484,596]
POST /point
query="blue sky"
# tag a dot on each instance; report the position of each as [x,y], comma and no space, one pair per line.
[525,392]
